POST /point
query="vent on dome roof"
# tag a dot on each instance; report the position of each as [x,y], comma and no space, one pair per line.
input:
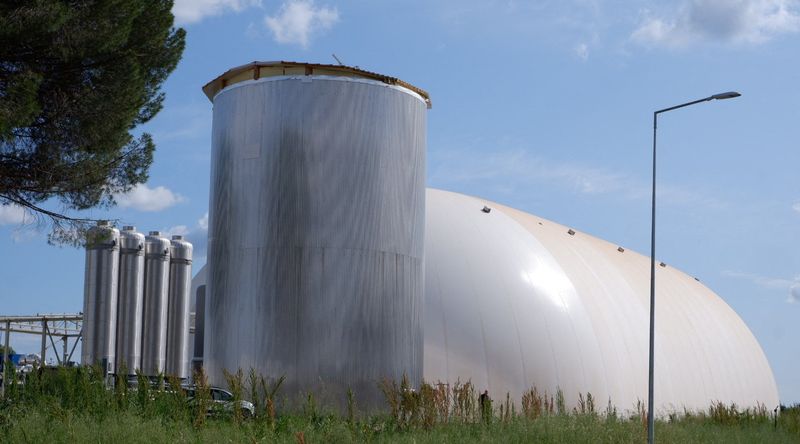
[486,209]
[662,264]
[571,232]
[620,249]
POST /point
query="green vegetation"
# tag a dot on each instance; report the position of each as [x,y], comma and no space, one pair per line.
[74,405]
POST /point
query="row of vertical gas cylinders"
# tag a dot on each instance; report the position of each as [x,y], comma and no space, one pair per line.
[136,302]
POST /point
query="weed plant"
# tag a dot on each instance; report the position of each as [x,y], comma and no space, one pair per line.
[66,405]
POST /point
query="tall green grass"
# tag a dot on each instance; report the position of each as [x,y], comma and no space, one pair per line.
[80,405]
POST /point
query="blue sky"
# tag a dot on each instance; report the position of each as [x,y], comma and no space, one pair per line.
[543,105]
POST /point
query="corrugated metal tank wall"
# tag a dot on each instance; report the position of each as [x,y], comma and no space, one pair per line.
[101,282]
[154,315]
[180,276]
[316,234]
[131,300]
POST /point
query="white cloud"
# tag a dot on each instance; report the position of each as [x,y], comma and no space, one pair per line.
[298,20]
[180,230]
[144,198]
[794,293]
[14,215]
[791,286]
[26,234]
[582,51]
[199,238]
[197,235]
[655,31]
[184,122]
[726,21]
[585,180]
[25,229]
[796,207]
[192,11]
[199,230]
[516,167]
[203,222]
[762,281]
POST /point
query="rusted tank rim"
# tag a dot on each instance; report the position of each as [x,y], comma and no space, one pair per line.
[233,75]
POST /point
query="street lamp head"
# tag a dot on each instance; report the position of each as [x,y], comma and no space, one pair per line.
[725,95]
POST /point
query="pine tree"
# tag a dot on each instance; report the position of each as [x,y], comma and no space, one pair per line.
[76,78]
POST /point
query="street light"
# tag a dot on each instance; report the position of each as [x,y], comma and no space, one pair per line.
[650,416]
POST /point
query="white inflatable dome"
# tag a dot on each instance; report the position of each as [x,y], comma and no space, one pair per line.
[513,301]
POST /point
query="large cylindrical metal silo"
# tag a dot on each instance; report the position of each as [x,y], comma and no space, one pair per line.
[100,296]
[154,316]
[316,228]
[130,300]
[180,281]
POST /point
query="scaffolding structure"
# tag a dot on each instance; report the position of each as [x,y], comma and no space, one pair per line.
[64,327]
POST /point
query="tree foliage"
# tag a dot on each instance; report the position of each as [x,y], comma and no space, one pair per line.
[3,348]
[76,78]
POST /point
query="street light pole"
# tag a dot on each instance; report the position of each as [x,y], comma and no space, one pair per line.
[650,405]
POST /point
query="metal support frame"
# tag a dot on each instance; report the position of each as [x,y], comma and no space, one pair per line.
[53,343]
[44,340]
[6,361]
[62,326]
[74,344]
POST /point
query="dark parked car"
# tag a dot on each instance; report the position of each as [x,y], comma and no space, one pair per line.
[222,402]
